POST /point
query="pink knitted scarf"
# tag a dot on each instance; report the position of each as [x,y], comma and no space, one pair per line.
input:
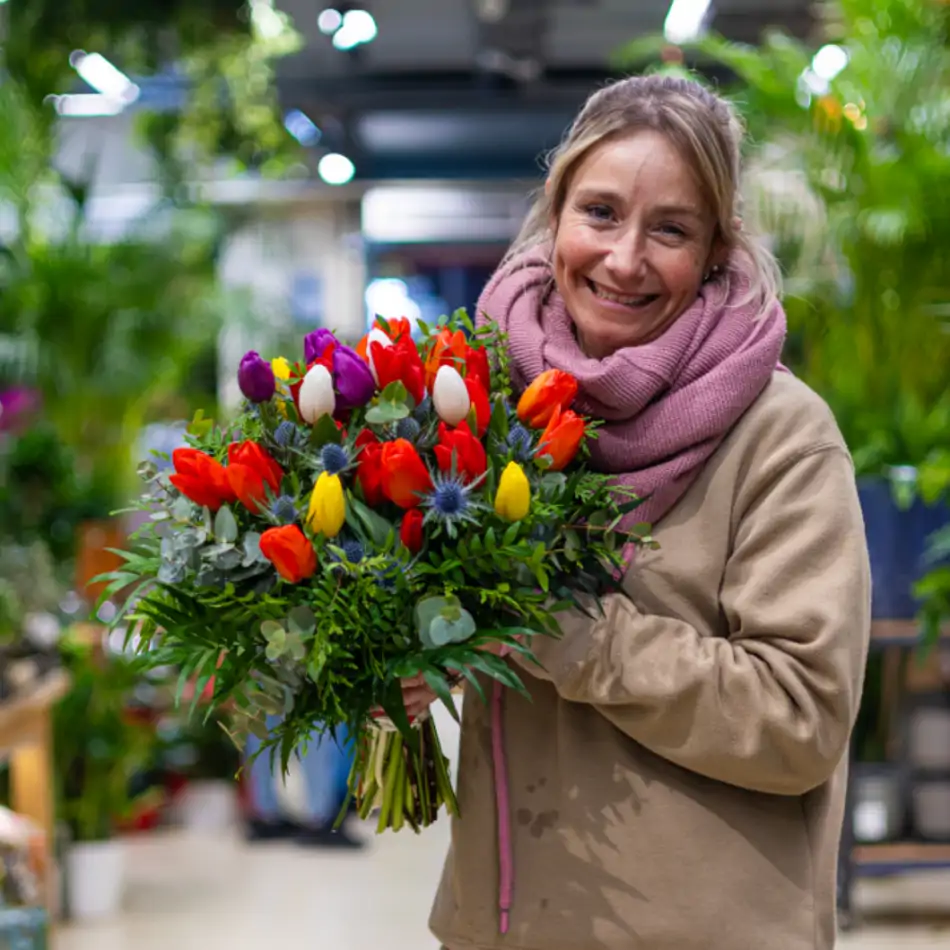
[667,406]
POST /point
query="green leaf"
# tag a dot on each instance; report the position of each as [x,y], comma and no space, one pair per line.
[271,630]
[385,413]
[325,432]
[395,392]
[366,521]
[301,621]
[225,525]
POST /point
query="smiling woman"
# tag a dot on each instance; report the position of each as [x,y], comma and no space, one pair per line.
[677,777]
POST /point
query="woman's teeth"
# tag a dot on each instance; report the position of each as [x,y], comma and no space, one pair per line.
[640,301]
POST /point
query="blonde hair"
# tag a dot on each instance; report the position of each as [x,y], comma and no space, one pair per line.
[708,134]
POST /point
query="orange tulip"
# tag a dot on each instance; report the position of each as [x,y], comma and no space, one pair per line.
[405,477]
[448,349]
[553,389]
[562,438]
[201,478]
[251,471]
[288,549]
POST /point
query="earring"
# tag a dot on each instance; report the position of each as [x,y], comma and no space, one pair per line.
[711,273]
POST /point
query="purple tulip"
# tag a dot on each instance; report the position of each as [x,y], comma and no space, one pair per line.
[315,344]
[256,378]
[354,382]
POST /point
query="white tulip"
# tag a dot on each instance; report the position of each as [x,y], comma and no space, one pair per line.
[450,396]
[375,336]
[316,397]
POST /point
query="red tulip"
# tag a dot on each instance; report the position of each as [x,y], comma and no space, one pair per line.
[410,531]
[480,404]
[553,389]
[562,438]
[460,446]
[201,478]
[400,363]
[251,471]
[396,329]
[405,476]
[476,363]
[289,550]
[448,349]
[369,470]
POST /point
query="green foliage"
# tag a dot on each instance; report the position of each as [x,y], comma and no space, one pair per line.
[327,651]
[851,188]
[97,747]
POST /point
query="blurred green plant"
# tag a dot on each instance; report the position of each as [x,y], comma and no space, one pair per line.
[225,50]
[98,746]
[933,590]
[850,183]
[110,332]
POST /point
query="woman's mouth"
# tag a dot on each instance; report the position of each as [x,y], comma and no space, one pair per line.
[634,302]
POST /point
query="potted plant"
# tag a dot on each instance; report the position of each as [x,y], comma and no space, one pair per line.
[98,750]
[847,178]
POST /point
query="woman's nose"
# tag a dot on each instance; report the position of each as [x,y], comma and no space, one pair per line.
[626,259]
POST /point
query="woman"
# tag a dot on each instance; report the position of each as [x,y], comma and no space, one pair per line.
[677,780]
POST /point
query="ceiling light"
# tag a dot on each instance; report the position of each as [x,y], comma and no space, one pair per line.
[685,20]
[336,169]
[301,127]
[87,104]
[358,27]
[829,61]
[105,78]
[329,21]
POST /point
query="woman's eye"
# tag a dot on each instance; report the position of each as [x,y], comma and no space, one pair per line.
[599,212]
[673,229]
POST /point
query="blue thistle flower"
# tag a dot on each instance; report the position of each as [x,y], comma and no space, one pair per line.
[333,458]
[408,428]
[284,509]
[519,439]
[353,551]
[286,434]
[422,412]
[450,501]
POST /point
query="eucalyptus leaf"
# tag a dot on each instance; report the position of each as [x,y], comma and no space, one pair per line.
[301,621]
[252,549]
[272,631]
[385,413]
[182,509]
[225,525]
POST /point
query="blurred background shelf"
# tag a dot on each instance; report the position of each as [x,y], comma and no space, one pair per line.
[26,739]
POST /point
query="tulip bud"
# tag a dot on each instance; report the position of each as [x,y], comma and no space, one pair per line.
[316,397]
[513,498]
[327,511]
[256,378]
[450,396]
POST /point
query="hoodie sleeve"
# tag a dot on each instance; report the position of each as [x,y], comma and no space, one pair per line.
[769,707]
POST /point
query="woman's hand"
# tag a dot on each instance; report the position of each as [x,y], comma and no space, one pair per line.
[417,696]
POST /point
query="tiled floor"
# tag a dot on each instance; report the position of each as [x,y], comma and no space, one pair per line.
[215,893]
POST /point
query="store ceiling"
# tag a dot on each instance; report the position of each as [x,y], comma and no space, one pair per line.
[446,90]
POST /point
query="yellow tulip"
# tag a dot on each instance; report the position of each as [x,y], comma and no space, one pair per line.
[514,493]
[281,368]
[327,505]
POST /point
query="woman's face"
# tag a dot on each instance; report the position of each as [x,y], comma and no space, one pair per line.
[633,242]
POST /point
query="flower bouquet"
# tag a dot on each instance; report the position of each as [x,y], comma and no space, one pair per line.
[372,514]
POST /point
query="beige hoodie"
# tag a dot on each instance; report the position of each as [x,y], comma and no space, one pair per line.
[678,779]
